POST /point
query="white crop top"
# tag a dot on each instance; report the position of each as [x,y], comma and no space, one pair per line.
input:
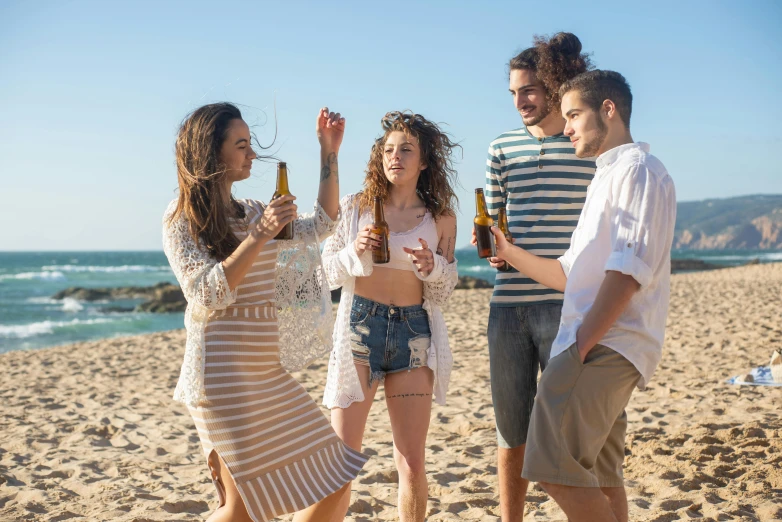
[400,260]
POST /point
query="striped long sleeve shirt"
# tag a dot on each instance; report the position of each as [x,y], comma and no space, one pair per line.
[543,185]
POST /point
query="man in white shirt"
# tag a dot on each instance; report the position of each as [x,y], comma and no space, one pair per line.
[616,279]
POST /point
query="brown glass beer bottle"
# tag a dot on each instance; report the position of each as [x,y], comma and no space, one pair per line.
[502,224]
[283,190]
[483,223]
[379,226]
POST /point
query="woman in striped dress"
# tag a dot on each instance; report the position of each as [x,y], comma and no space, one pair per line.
[269,448]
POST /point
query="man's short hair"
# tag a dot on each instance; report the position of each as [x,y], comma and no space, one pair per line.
[596,86]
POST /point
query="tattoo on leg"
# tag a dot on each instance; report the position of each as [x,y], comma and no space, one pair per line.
[403,395]
[329,167]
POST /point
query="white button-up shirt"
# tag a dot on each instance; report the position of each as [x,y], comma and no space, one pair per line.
[627,226]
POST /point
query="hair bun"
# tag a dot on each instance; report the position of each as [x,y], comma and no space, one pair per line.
[567,44]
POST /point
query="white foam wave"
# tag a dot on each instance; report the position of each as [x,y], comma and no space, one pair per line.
[23,331]
[109,269]
[745,258]
[477,268]
[42,300]
[46,275]
[69,304]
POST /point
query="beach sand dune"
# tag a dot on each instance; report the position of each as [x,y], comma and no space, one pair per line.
[89,431]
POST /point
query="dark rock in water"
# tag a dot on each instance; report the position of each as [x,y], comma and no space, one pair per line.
[168,298]
[161,298]
[469,283]
[122,292]
[679,265]
[158,307]
[84,294]
[116,309]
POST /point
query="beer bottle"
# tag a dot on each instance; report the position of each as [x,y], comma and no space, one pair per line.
[483,223]
[502,224]
[379,226]
[282,190]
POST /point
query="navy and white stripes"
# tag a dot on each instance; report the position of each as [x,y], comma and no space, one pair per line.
[543,185]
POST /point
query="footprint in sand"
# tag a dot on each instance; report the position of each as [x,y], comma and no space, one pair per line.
[381,477]
[674,505]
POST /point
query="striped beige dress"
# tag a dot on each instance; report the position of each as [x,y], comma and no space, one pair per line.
[279,447]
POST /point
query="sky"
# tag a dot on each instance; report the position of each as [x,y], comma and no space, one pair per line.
[92,94]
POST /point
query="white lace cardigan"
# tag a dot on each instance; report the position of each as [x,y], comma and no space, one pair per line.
[342,266]
[302,296]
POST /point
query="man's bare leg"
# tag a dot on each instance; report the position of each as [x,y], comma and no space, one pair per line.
[513,488]
[617,498]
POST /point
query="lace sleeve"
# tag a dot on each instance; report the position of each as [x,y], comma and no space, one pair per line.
[340,261]
[316,226]
[439,284]
[201,276]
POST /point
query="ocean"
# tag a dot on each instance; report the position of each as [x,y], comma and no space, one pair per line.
[30,318]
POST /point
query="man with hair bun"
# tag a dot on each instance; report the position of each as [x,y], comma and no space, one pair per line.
[533,172]
[616,280]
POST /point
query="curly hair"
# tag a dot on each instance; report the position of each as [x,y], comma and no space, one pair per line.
[435,183]
[555,60]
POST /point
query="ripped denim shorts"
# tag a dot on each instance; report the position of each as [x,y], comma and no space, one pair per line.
[388,339]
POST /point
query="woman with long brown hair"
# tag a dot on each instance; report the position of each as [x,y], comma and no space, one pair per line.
[389,324]
[269,448]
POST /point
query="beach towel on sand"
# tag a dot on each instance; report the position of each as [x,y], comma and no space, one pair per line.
[761,375]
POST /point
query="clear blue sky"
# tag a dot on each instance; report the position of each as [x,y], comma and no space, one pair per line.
[91,94]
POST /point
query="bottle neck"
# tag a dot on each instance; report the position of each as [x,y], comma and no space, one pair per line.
[480,205]
[502,220]
[377,212]
[282,181]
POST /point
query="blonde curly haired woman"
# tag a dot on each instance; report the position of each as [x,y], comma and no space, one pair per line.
[389,324]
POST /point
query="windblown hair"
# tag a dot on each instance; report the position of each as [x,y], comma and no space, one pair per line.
[201,175]
[594,87]
[435,183]
[554,61]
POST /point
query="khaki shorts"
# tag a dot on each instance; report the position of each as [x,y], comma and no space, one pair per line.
[577,432]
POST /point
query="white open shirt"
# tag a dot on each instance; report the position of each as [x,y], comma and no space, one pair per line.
[627,226]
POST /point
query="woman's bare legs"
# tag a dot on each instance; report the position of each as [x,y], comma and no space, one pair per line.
[349,424]
[324,509]
[232,508]
[409,401]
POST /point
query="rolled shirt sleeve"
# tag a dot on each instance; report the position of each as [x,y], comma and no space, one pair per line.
[644,210]
[566,261]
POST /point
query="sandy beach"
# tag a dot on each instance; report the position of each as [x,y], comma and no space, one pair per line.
[89,431]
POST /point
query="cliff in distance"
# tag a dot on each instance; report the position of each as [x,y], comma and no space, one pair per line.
[744,222]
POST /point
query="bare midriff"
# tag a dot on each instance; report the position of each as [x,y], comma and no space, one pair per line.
[390,286]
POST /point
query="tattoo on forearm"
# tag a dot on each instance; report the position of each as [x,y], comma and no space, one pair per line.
[448,249]
[439,250]
[403,395]
[329,167]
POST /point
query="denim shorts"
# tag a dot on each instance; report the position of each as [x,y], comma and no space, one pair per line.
[520,339]
[387,338]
